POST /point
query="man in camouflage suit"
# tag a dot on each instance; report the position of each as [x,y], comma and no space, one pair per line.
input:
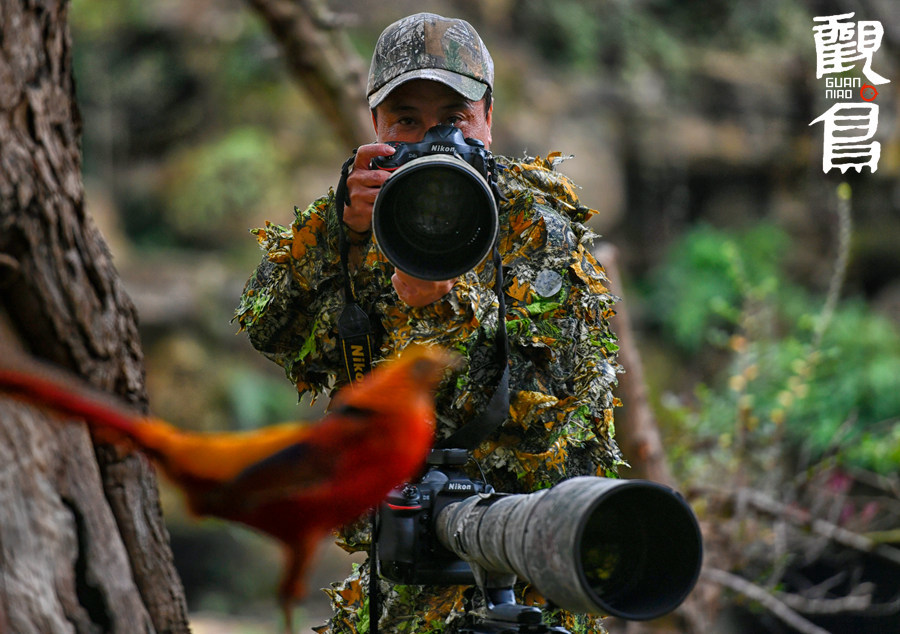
[430,70]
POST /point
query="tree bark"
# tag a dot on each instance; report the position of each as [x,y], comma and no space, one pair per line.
[83,547]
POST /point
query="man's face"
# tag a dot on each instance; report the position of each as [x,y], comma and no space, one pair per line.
[418,105]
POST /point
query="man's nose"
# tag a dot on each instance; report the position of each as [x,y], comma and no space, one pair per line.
[430,123]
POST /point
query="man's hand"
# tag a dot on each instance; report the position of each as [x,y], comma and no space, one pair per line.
[417,293]
[363,185]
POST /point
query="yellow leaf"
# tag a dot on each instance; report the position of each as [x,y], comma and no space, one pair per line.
[592,277]
[307,238]
[527,404]
[353,594]
[519,290]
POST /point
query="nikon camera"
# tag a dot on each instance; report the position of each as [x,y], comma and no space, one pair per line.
[408,549]
[589,545]
[436,216]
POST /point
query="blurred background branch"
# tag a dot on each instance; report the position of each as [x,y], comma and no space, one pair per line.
[322,61]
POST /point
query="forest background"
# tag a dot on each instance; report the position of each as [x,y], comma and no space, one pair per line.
[770,367]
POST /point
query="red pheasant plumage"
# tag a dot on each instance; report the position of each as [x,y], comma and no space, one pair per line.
[296,481]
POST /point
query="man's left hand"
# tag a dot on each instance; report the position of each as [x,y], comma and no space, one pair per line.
[417,293]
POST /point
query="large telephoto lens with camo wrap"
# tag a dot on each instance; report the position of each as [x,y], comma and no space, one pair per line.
[626,548]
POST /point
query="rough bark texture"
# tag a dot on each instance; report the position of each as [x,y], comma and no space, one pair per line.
[82,544]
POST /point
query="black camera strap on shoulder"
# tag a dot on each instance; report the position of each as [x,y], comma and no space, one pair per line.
[476,431]
[354,327]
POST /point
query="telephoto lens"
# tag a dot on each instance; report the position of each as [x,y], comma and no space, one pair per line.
[626,548]
[436,216]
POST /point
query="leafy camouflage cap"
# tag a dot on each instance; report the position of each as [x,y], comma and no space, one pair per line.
[428,46]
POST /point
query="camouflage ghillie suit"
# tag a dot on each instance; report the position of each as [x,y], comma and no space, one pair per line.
[562,357]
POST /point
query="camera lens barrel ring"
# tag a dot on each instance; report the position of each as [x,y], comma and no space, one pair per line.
[436,217]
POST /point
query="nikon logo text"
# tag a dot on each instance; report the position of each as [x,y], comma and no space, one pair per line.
[358,361]
[459,486]
[447,149]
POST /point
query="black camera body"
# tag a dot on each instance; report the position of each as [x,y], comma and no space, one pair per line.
[408,549]
[436,218]
[626,548]
[441,139]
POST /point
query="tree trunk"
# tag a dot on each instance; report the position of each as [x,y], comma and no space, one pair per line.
[83,547]
[636,430]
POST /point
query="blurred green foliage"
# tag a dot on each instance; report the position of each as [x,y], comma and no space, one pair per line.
[189,114]
[210,186]
[727,292]
[699,290]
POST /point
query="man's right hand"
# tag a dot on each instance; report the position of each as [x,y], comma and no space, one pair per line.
[363,185]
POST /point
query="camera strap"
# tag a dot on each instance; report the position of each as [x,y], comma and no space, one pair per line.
[354,327]
[476,431]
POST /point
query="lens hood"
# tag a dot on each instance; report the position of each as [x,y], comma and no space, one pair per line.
[435,218]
